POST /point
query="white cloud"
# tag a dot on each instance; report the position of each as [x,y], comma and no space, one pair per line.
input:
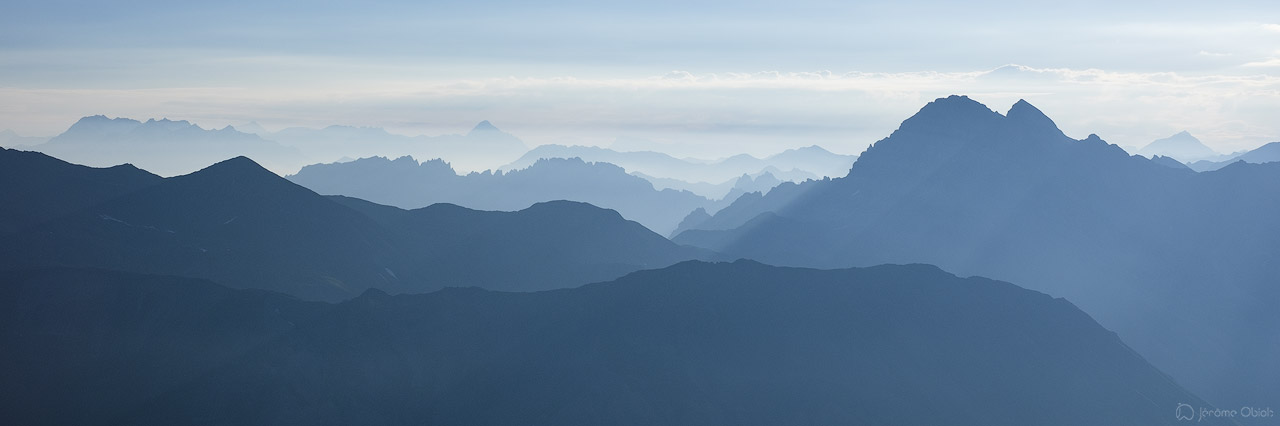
[1270,62]
[1271,27]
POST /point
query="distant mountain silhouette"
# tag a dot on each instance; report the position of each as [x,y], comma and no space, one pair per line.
[406,183]
[731,189]
[762,183]
[36,187]
[693,344]
[1168,161]
[251,127]
[243,226]
[11,139]
[484,147]
[161,146]
[747,207]
[1264,154]
[1182,147]
[1167,257]
[484,126]
[813,159]
[172,148]
[692,220]
[548,245]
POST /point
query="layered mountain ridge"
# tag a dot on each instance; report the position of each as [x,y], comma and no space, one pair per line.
[241,225]
[695,343]
[406,183]
[1156,252]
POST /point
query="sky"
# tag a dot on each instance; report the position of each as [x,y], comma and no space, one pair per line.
[704,79]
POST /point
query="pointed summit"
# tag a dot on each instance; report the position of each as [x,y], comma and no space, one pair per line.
[1031,118]
[1024,110]
[239,162]
[1181,146]
[239,169]
[251,127]
[484,126]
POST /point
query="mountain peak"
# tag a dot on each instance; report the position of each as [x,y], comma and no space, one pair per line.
[93,118]
[373,295]
[251,127]
[1182,146]
[237,165]
[1020,105]
[99,119]
[954,106]
[955,101]
[812,148]
[167,123]
[484,126]
[952,115]
[1029,116]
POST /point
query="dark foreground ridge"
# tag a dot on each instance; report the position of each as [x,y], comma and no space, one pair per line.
[693,344]
[243,226]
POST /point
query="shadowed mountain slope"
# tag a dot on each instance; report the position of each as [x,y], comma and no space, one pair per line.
[406,183]
[37,187]
[695,343]
[1164,256]
[241,225]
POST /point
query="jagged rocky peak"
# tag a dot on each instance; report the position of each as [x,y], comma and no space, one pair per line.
[102,122]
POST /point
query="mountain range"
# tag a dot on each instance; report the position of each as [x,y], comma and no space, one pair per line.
[406,183]
[1268,153]
[693,344]
[240,225]
[793,164]
[1177,262]
[231,295]
[172,148]
[163,146]
[11,139]
[762,181]
[484,147]
[38,187]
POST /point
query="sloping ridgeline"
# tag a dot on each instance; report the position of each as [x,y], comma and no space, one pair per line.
[406,183]
[693,344]
[240,225]
[1181,264]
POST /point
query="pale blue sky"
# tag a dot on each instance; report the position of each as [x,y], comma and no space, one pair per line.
[704,78]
